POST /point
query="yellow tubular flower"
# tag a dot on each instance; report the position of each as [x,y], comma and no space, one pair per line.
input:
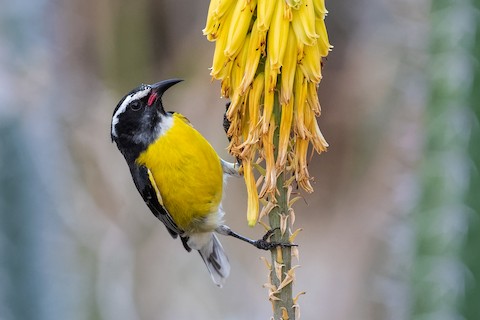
[253,116]
[320,10]
[215,17]
[306,14]
[288,68]
[225,75]
[212,22]
[256,96]
[312,98]
[277,36]
[323,44]
[265,10]
[299,104]
[318,141]
[238,68]
[284,135]
[301,173]
[242,16]
[245,120]
[219,59]
[252,206]
[269,185]
[234,130]
[254,51]
[234,105]
[306,36]
[310,64]
[308,117]
[269,96]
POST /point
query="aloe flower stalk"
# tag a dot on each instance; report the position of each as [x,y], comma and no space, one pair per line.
[268,56]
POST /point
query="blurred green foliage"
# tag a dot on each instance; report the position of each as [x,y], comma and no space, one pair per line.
[20,280]
[445,262]
[470,306]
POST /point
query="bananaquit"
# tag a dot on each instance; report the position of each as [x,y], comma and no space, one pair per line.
[178,174]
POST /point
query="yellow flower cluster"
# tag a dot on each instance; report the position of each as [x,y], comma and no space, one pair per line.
[268,56]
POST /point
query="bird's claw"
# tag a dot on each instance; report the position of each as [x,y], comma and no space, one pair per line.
[265,244]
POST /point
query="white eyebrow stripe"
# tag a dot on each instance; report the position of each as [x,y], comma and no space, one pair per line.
[125,103]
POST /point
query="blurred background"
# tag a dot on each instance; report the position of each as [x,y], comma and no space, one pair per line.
[392,230]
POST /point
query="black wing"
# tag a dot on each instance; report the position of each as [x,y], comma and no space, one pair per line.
[147,188]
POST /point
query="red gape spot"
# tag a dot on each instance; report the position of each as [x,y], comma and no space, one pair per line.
[152,98]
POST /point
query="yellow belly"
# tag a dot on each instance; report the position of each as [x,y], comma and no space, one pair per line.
[188,174]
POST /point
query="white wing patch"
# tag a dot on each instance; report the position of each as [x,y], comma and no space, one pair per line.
[152,182]
[134,96]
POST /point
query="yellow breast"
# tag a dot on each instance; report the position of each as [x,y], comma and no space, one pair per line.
[187,172]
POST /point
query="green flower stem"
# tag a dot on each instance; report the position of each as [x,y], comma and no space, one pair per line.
[285,297]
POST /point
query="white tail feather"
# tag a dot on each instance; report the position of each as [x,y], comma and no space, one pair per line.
[216,260]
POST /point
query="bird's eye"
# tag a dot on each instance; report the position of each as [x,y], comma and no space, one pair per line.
[135,105]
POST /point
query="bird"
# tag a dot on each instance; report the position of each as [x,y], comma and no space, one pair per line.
[178,174]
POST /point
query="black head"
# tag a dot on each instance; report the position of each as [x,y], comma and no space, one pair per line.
[138,116]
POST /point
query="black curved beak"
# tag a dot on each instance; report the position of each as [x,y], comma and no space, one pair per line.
[158,89]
